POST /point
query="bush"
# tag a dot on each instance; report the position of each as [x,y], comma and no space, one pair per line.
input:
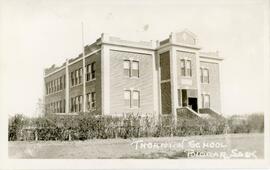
[85,126]
[246,123]
[16,124]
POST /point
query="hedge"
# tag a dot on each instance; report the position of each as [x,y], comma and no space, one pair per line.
[85,126]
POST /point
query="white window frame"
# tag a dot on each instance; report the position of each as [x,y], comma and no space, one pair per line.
[128,67]
[188,70]
[138,68]
[206,78]
[139,98]
[127,98]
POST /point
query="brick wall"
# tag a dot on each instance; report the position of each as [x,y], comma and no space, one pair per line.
[119,82]
[165,66]
[56,96]
[184,82]
[213,88]
[95,85]
[91,86]
[165,86]
[166,107]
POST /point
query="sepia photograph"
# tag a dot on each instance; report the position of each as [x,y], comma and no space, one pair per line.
[127,84]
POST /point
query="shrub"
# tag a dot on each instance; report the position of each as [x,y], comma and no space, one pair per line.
[16,124]
[85,126]
[246,123]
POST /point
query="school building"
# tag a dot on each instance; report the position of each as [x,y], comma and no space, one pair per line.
[115,76]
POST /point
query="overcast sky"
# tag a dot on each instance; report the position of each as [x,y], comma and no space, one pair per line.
[36,34]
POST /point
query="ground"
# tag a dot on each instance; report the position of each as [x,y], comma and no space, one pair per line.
[226,146]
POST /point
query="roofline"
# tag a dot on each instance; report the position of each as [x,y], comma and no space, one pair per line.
[106,39]
[129,46]
[211,57]
[73,62]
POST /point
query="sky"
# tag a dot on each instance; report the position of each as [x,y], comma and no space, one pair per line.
[38,33]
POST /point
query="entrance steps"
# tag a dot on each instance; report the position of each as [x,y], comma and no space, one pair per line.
[204,113]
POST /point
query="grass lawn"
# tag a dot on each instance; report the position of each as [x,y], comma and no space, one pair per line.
[230,146]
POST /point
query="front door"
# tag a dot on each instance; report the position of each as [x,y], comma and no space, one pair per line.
[192,102]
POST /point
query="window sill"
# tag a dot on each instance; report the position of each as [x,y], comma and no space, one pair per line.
[186,77]
[92,110]
[76,85]
[205,83]
[133,108]
[55,92]
[90,80]
[132,77]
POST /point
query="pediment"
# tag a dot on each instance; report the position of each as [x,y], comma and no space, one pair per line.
[186,37]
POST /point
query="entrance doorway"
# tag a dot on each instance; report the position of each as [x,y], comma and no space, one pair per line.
[192,101]
[189,100]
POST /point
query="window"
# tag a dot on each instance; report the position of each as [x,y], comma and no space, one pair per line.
[80,75]
[72,78]
[127,68]
[60,106]
[64,81]
[88,72]
[76,77]
[77,104]
[61,82]
[54,107]
[205,100]
[205,76]
[127,97]
[188,66]
[51,108]
[93,104]
[91,101]
[91,71]
[64,106]
[73,104]
[55,85]
[131,68]
[80,103]
[186,69]
[136,99]
[58,84]
[135,68]
[50,86]
[182,65]
[132,98]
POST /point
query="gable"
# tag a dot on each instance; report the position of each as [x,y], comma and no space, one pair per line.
[185,37]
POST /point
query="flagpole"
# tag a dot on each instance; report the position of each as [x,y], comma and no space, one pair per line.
[83,55]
